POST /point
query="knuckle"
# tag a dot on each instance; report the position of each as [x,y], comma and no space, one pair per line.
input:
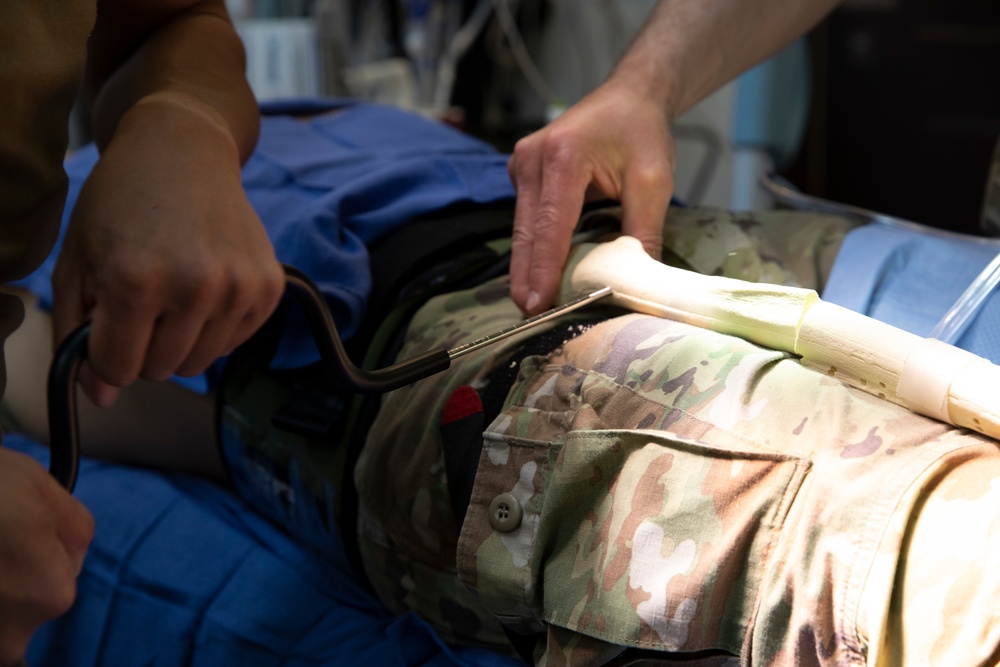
[553,146]
[273,289]
[256,294]
[651,176]
[131,285]
[60,595]
[560,147]
[85,527]
[522,236]
[525,148]
[200,283]
[111,365]
[52,589]
[514,168]
[548,218]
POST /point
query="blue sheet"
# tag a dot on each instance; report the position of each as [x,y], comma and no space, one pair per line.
[182,574]
[911,279]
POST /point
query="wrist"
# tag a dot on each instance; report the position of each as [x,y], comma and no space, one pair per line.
[649,72]
[170,114]
[656,95]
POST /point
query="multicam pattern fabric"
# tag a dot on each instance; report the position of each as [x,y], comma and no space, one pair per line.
[426,580]
[685,495]
[782,247]
[795,248]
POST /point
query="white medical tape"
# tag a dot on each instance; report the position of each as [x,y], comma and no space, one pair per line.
[929,369]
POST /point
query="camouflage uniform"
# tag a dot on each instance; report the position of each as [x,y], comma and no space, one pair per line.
[654,493]
[658,492]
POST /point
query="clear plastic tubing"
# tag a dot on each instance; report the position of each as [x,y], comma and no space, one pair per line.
[959,316]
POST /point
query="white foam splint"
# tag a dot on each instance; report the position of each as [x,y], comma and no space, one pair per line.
[925,375]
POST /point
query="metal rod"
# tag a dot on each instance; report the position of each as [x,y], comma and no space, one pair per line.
[64,439]
[958,318]
[567,307]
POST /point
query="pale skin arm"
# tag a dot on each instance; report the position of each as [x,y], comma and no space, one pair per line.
[164,253]
[616,142]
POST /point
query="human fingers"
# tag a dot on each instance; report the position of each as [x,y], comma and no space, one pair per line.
[126,310]
[251,303]
[525,172]
[53,509]
[194,295]
[646,194]
[559,174]
[71,309]
[44,535]
[208,313]
[74,522]
[100,393]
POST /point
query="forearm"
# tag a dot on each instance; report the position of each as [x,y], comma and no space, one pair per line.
[176,59]
[689,48]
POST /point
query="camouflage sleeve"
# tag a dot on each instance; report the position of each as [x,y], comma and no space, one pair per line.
[782,247]
[42,53]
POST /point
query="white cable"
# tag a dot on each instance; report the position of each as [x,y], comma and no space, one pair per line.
[459,45]
[508,25]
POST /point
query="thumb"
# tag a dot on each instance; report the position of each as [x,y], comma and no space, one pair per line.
[100,393]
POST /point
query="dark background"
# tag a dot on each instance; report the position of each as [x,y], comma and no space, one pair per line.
[906,109]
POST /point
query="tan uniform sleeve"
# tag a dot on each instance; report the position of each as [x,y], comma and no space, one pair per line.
[42,54]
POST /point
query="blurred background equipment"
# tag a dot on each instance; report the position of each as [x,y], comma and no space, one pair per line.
[889,105]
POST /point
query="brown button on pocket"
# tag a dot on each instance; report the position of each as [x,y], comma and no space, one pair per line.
[505,513]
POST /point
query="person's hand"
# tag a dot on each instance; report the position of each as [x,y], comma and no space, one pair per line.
[44,535]
[614,143]
[164,254]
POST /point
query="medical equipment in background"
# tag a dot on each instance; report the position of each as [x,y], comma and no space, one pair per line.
[63,428]
[532,61]
[393,51]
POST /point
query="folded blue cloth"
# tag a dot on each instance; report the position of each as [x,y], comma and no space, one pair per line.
[181,573]
[911,279]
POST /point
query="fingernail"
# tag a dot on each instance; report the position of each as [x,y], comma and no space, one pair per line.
[532,302]
[100,394]
[104,396]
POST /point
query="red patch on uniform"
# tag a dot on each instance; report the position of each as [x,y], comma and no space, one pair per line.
[462,403]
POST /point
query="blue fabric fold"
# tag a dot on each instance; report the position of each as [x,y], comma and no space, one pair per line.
[911,279]
[181,573]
